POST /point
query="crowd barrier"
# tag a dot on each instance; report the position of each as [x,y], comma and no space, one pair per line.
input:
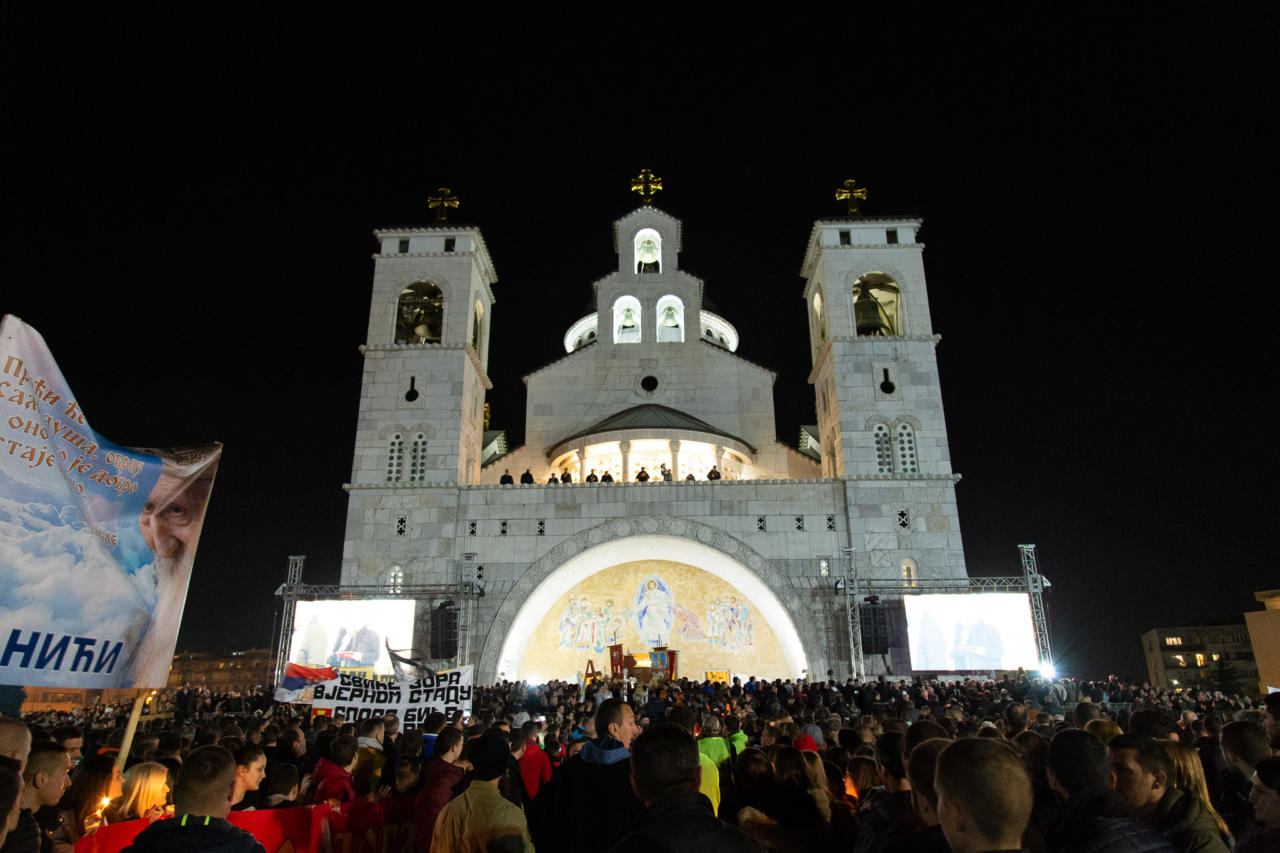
[357,827]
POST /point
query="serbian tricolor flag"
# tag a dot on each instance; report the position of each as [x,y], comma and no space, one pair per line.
[298,678]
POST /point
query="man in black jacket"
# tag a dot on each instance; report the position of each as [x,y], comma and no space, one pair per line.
[1096,817]
[591,797]
[665,774]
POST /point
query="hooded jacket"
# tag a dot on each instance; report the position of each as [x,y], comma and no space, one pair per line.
[194,834]
[1103,822]
[595,787]
[1183,819]
[682,822]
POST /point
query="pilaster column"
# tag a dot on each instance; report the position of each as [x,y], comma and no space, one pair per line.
[674,445]
[626,460]
[581,453]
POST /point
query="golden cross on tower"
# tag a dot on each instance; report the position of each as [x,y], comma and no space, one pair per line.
[646,183]
[852,195]
[442,202]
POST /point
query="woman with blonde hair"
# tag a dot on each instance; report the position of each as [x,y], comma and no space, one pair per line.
[1188,776]
[1103,729]
[146,791]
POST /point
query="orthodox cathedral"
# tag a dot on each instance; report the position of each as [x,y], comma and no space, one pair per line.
[663,512]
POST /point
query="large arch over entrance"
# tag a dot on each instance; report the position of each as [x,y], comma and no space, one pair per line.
[638,538]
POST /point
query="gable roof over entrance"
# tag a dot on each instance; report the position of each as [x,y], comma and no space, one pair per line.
[652,416]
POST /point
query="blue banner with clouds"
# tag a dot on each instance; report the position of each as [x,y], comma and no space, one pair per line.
[97,541]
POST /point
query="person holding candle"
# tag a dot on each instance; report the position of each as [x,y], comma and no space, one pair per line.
[97,781]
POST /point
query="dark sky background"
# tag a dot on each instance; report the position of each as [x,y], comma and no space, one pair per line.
[189,204]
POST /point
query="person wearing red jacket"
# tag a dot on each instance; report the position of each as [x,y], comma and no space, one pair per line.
[439,777]
[332,776]
[535,764]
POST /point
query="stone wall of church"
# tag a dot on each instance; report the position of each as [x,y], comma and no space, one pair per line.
[447,409]
[850,382]
[706,382]
[509,528]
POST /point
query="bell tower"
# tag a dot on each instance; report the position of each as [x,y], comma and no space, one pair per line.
[422,397]
[879,403]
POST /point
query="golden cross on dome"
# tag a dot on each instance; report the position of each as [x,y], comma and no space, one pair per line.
[646,183]
[852,195]
[442,202]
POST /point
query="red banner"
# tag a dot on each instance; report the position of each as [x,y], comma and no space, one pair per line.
[297,829]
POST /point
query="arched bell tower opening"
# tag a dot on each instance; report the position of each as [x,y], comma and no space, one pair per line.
[477,326]
[419,314]
[626,320]
[670,319]
[643,589]
[648,251]
[877,306]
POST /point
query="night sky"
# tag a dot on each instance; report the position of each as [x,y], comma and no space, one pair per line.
[189,204]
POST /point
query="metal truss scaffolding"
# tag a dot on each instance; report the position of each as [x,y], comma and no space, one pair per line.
[1030,581]
[294,590]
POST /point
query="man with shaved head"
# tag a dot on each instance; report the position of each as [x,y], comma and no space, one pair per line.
[45,778]
[922,765]
[15,740]
[984,796]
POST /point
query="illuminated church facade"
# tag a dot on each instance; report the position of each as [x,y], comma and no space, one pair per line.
[738,574]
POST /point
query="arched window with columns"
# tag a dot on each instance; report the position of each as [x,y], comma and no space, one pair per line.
[905,439]
[418,458]
[884,449]
[395,458]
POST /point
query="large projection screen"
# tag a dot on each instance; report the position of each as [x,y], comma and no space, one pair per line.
[351,634]
[970,632]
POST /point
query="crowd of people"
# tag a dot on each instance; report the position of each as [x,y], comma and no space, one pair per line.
[663,474]
[885,766]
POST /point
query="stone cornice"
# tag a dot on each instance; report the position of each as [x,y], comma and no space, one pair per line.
[650,209]
[525,379]
[773,376]
[815,237]
[487,272]
[859,478]
[659,484]
[471,354]
[934,339]
[819,360]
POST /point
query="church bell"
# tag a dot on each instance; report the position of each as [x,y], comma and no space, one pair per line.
[867,316]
